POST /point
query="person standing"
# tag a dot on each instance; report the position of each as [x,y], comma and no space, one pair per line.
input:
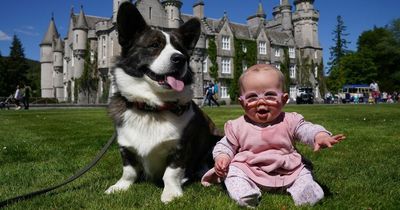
[26,96]
[17,98]
[374,90]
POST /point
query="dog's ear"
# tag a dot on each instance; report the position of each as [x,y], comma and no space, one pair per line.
[190,32]
[130,23]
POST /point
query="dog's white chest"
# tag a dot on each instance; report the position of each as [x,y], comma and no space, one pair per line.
[152,136]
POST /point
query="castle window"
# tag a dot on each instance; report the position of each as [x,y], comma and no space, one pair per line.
[292,71]
[316,71]
[76,38]
[172,14]
[226,65]
[262,47]
[278,66]
[150,13]
[91,56]
[292,52]
[205,65]
[244,65]
[292,92]
[226,44]
[244,48]
[316,55]
[224,92]
[277,52]
[104,44]
[112,47]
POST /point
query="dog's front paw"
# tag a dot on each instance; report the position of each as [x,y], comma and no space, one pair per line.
[119,186]
[170,194]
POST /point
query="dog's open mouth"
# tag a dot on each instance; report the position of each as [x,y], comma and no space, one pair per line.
[167,81]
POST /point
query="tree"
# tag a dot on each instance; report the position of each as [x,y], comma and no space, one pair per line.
[88,82]
[394,27]
[285,66]
[3,77]
[381,47]
[358,68]
[212,54]
[17,66]
[340,48]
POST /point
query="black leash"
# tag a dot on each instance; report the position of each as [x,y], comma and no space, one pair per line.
[70,179]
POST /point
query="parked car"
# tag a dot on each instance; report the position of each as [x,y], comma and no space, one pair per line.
[305,95]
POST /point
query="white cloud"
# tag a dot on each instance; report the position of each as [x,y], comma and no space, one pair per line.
[27,30]
[4,36]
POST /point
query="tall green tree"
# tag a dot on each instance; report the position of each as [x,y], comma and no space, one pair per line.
[3,77]
[340,48]
[285,66]
[17,67]
[336,77]
[88,82]
[358,68]
[212,55]
[380,46]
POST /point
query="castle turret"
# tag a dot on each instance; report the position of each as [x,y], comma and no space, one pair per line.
[46,60]
[259,17]
[173,12]
[80,39]
[58,69]
[198,9]
[286,11]
[305,20]
[116,4]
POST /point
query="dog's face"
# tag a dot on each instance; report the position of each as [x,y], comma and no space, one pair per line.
[154,65]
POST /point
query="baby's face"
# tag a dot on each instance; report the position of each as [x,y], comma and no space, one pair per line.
[261,97]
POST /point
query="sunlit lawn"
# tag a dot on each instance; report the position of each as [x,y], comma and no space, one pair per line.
[39,148]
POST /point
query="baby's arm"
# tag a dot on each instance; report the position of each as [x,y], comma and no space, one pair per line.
[223,153]
[316,136]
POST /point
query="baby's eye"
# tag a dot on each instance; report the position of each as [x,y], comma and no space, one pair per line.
[271,93]
[251,96]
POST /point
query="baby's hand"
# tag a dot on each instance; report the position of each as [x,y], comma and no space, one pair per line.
[221,165]
[323,140]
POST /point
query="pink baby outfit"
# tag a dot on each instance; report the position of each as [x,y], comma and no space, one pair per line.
[264,155]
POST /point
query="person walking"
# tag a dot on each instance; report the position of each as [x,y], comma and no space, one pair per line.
[17,98]
[26,96]
[210,95]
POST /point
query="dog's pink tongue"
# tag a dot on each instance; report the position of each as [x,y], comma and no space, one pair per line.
[175,84]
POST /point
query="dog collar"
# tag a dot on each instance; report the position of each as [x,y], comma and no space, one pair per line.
[168,106]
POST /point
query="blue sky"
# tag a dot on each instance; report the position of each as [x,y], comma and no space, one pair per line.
[29,19]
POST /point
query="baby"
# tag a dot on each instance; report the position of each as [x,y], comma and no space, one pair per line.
[257,153]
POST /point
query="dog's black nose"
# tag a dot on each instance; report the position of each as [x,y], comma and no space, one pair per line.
[178,59]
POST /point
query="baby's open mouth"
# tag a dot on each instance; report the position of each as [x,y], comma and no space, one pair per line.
[263,111]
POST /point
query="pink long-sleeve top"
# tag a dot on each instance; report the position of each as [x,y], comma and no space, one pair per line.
[266,154]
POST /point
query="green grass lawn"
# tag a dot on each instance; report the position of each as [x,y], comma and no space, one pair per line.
[39,148]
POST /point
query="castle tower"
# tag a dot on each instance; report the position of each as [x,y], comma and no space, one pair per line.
[286,11]
[46,60]
[173,12]
[198,9]
[80,39]
[58,69]
[116,4]
[305,20]
[259,17]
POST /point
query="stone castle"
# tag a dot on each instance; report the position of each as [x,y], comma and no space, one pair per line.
[294,29]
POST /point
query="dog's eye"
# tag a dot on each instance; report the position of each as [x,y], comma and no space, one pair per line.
[155,45]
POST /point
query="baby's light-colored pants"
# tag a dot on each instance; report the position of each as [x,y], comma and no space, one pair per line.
[245,192]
